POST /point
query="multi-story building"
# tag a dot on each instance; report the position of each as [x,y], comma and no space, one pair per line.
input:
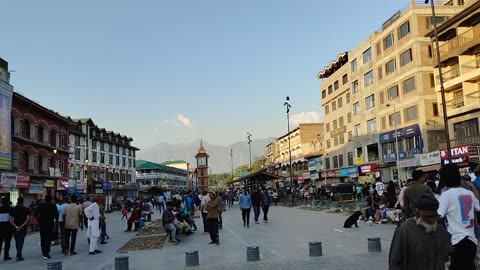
[301,144]
[381,95]
[459,39]
[150,174]
[101,159]
[40,148]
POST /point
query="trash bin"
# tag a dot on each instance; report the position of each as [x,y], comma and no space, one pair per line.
[374,245]
[121,263]
[253,254]
[191,258]
[315,249]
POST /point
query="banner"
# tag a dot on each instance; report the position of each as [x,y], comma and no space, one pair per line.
[23,181]
[35,189]
[6,93]
[8,180]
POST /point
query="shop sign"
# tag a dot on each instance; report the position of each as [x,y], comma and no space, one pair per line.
[8,180]
[49,184]
[343,172]
[427,159]
[306,175]
[35,189]
[368,168]
[106,186]
[62,184]
[456,151]
[460,161]
[23,181]
[473,155]
[121,186]
[406,132]
[81,185]
[312,164]
[314,176]
[407,163]
[331,173]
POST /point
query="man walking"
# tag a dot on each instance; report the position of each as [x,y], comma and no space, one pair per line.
[72,215]
[47,215]
[60,207]
[93,231]
[256,202]
[459,205]
[414,191]
[161,203]
[205,200]
[421,231]
[5,228]
[245,202]
[266,202]
[212,218]
[19,220]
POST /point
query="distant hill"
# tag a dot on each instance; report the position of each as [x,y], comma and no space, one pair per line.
[219,161]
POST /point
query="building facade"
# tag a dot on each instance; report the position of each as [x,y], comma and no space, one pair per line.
[101,160]
[379,99]
[201,172]
[302,143]
[459,39]
[150,174]
[40,148]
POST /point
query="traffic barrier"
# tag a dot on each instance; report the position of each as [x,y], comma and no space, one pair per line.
[191,258]
[121,263]
[253,254]
[374,245]
[315,249]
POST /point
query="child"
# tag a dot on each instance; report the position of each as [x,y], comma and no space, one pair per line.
[124,213]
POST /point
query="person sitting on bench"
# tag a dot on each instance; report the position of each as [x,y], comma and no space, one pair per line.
[168,223]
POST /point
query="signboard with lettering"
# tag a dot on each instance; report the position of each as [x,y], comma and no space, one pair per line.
[458,154]
[6,92]
[338,131]
[368,168]
[8,180]
[406,132]
[407,163]
[473,154]
[35,189]
[427,159]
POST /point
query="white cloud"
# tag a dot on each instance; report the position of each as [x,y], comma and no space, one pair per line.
[306,117]
[179,120]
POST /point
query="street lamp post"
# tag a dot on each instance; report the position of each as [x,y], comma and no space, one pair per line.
[442,89]
[397,156]
[231,160]
[107,201]
[287,105]
[325,168]
[249,137]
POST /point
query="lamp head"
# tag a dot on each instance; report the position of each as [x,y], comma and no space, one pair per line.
[288,98]
[55,151]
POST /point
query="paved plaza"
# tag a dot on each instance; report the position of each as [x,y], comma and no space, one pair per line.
[283,245]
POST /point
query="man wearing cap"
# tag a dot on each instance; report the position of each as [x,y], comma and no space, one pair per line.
[419,243]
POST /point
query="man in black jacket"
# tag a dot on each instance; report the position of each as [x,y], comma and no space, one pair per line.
[5,227]
[47,215]
[256,202]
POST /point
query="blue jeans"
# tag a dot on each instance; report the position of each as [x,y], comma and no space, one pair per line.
[384,213]
[256,211]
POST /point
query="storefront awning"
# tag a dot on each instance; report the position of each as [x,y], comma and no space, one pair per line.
[429,168]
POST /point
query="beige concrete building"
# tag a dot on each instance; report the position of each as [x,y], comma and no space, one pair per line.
[384,86]
[459,44]
[302,142]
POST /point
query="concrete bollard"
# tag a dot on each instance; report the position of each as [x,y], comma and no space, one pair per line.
[253,254]
[374,245]
[315,249]
[121,263]
[54,265]
[191,258]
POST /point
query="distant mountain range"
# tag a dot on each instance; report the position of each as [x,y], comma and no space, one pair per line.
[219,161]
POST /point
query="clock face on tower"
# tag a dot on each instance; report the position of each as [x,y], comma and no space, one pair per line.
[202,161]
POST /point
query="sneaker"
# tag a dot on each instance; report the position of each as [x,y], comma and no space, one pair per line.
[103,243]
[384,220]
[256,222]
[211,243]
[49,257]
[7,258]
[370,218]
[98,251]
[92,253]
[369,221]
[44,258]
[378,222]
[175,242]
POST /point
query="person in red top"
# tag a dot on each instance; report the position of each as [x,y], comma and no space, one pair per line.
[133,219]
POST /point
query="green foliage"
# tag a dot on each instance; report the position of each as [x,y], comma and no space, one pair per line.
[220,180]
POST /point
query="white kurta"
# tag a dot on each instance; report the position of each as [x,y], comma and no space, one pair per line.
[93,225]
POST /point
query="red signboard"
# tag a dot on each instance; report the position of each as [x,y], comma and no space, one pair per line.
[456,151]
[23,181]
[368,168]
[331,173]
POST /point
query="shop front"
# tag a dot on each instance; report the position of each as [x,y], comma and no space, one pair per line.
[330,177]
[461,156]
[349,174]
[368,173]
[408,165]
[8,186]
[429,162]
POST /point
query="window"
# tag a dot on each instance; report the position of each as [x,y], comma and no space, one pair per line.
[394,119]
[382,97]
[357,130]
[327,163]
[429,50]
[327,127]
[411,113]
[390,67]
[340,161]
[370,102]
[403,30]
[94,144]
[354,86]
[367,55]
[379,48]
[437,20]
[349,117]
[124,162]
[384,122]
[344,79]
[340,103]
[466,129]
[327,110]
[335,162]
[334,106]
[350,136]
[117,160]
[335,85]
[432,80]
[350,158]
[330,89]
[353,65]
[393,92]
[94,156]
[110,159]
[371,125]
[102,158]
[380,72]
[356,108]
[341,139]
[102,146]
[324,93]
[368,78]
[341,122]
[335,124]
[328,143]
[388,41]
[348,98]
[406,57]
[77,154]
[335,141]
[77,140]
[435,109]
[409,85]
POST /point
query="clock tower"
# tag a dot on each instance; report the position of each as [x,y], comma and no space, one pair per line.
[202,168]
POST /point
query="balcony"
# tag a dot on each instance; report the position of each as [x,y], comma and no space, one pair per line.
[459,44]
[471,65]
[456,102]
[453,73]
[461,141]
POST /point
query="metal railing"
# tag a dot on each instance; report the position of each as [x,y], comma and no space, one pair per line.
[461,141]
[453,73]
[471,65]
[456,102]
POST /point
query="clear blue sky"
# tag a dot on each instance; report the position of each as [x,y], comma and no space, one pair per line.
[226,66]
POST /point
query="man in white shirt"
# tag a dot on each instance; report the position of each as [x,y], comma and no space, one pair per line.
[379,187]
[205,200]
[458,206]
[161,203]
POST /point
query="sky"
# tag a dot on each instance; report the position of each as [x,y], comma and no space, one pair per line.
[175,71]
